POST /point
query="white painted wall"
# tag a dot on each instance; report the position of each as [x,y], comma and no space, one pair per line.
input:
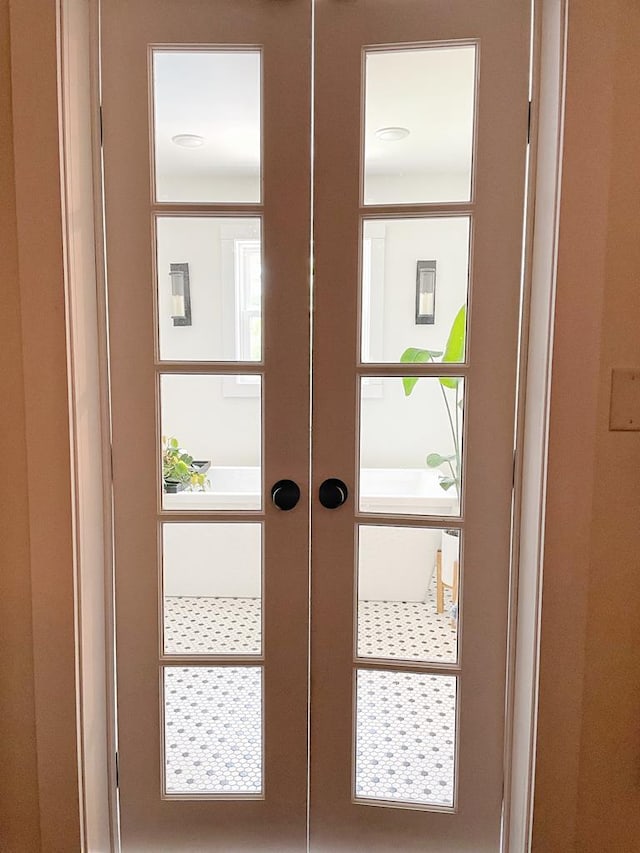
[418,187]
[383,575]
[221,559]
[224,430]
[213,559]
[206,244]
[209,188]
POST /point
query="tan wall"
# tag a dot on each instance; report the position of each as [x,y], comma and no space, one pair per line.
[609,781]
[19,819]
[588,790]
[588,779]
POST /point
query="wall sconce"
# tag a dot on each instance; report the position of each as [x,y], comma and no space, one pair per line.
[425,293]
[180,294]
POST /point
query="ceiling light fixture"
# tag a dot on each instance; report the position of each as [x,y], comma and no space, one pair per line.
[392,134]
[188,140]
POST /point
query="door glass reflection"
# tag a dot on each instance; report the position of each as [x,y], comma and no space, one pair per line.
[211,441]
[419,471]
[408,582]
[405,737]
[207,125]
[213,729]
[212,588]
[414,283]
[209,288]
[419,115]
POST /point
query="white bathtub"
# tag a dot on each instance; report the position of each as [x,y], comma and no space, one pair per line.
[228,487]
[396,565]
[409,491]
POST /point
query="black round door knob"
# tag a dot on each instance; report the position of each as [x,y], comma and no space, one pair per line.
[285,494]
[333,493]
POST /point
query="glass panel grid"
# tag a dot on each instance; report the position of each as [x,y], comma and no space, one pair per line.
[407,604]
[410,446]
[418,124]
[212,588]
[211,442]
[210,309]
[414,289]
[207,125]
[213,730]
[405,737]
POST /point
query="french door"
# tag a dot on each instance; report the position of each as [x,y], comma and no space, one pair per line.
[313,320]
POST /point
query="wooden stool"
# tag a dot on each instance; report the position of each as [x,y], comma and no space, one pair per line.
[441,584]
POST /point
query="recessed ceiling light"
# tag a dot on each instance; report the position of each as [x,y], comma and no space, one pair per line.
[392,134]
[188,140]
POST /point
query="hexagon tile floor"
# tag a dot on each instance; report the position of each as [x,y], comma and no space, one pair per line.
[405,736]
[213,729]
[407,630]
[405,733]
[405,727]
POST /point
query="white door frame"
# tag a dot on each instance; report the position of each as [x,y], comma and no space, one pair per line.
[77,198]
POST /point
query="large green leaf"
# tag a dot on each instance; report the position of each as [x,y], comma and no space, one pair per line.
[413,355]
[454,350]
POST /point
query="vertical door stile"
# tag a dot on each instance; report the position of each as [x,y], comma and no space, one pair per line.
[206,152]
[420,140]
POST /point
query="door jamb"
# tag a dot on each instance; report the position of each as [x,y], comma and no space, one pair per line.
[550,24]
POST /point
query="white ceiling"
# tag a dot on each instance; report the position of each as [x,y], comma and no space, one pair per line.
[216,95]
[428,91]
[211,94]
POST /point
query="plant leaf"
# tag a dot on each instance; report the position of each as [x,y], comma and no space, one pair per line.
[446,483]
[413,355]
[454,349]
[434,460]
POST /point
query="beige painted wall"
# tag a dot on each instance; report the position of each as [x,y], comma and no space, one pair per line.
[609,781]
[587,793]
[19,823]
[588,780]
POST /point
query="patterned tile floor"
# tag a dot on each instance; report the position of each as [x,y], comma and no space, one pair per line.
[405,731]
[213,729]
[405,736]
[215,626]
[407,630]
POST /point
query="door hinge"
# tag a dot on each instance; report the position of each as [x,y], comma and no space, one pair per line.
[117,772]
[529,125]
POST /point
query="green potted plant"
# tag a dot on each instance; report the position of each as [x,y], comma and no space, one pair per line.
[180,471]
[448,463]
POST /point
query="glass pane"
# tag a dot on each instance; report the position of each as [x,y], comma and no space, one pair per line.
[415,275]
[419,113]
[408,580]
[212,589]
[209,272]
[411,446]
[405,737]
[207,125]
[211,442]
[213,730]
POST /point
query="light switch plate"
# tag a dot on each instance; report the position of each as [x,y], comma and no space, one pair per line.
[624,408]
